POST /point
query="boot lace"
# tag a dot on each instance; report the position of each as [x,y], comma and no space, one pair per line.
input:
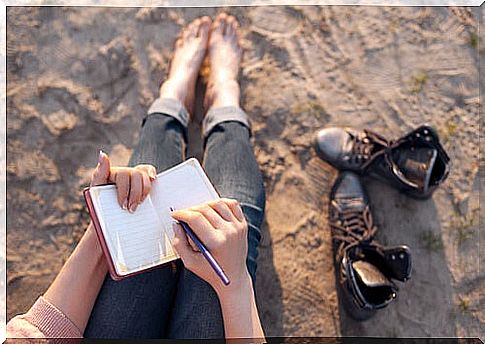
[351,226]
[364,146]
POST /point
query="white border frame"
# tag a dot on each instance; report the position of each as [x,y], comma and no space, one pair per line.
[135,3]
[3,169]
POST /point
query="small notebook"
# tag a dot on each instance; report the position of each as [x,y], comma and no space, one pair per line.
[135,242]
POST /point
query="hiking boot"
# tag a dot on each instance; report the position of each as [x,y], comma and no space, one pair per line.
[364,268]
[347,148]
[415,164]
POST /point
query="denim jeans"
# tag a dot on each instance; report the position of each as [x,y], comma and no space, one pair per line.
[172,302]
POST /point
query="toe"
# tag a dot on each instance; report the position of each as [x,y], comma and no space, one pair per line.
[193,28]
[186,33]
[230,26]
[222,21]
[203,30]
[178,42]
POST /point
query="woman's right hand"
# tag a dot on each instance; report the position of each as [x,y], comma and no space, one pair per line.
[133,184]
[222,227]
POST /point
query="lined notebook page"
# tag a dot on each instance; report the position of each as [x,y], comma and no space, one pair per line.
[183,186]
[136,241]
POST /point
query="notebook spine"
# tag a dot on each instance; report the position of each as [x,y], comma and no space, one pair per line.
[99,234]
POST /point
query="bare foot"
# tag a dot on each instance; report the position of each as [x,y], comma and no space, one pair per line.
[190,50]
[224,55]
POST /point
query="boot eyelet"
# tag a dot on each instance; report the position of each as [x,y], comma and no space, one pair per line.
[393,257]
[401,255]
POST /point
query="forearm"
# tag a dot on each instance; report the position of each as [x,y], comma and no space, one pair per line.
[76,288]
[240,313]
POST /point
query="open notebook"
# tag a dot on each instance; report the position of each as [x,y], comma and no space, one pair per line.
[134,242]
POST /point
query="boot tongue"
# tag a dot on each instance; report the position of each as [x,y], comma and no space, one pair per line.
[416,164]
[370,275]
[356,204]
[374,286]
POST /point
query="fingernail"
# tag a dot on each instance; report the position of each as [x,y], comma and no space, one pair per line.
[125,205]
[133,207]
[100,157]
[152,174]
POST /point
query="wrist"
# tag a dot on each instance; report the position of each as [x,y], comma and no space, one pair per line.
[237,289]
[91,240]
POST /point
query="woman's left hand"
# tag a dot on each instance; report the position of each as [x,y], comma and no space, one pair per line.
[133,184]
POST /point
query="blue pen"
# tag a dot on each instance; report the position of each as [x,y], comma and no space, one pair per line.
[210,258]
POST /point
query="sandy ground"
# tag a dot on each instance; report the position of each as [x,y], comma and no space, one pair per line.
[81,79]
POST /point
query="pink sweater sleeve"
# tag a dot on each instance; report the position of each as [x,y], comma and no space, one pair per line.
[43,320]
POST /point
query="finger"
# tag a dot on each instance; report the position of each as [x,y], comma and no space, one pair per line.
[147,186]
[199,224]
[193,245]
[148,169]
[190,258]
[235,208]
[102,170]
[136,190]
[210,214]
[222,209]
[122,180]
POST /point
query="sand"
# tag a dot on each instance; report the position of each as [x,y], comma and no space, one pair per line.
[81,79]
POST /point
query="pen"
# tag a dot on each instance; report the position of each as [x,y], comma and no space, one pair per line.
[205,252]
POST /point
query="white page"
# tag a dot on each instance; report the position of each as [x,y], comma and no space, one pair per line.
[136,241]
[183,186]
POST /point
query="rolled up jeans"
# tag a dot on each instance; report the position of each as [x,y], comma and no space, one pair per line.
[172,302]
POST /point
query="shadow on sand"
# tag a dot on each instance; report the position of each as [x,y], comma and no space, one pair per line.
[269,293]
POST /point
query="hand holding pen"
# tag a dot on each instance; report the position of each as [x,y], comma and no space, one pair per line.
[205,251]
[221,227]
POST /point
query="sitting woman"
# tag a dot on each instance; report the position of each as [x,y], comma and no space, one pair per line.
[185,299]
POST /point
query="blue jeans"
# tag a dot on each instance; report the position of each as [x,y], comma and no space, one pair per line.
[172,302]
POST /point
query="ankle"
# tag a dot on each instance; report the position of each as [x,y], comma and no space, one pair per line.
[225,93]
[171,89]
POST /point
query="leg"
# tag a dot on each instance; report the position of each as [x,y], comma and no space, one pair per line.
[229,161]
[229,157]
[140,306]
[196,312]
